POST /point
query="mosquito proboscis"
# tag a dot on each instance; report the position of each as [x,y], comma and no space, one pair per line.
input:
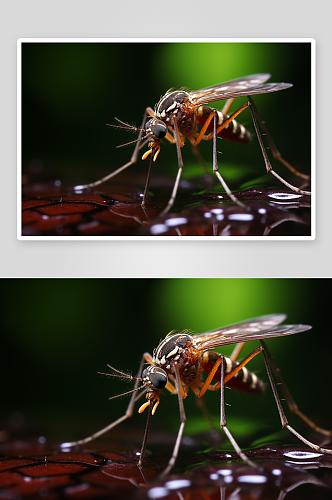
[180,361]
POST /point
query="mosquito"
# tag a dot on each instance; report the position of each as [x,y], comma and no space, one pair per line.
[179,363]
[177,115]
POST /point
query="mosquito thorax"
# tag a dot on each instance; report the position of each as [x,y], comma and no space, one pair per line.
[157,128]
[170,103]
[170,349]
[155,376]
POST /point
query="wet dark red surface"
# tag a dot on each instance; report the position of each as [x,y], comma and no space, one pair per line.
[34,470]
[51,209]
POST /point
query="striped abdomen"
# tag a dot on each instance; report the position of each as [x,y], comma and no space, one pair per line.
[244,380]
[234,131]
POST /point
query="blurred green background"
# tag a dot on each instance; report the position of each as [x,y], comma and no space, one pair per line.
[58,333]
[70,91]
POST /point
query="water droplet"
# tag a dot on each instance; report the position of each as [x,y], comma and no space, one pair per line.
[177,484]
[284,196]
[224,472]
[302,455]
[241,217]
[252,479]
[158,229]
[176,221]
[158,492]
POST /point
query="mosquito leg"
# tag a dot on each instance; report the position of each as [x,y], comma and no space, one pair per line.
[180,164]
[215,165]
[291,403]
[227,105]
[266,159]
[148,111]
[145,435]
[284,421]
[223,423]
[236,352]
[273,147]
[207,387]
[200,158]
[182,419]
[201,404]
[147,181]
[128,413]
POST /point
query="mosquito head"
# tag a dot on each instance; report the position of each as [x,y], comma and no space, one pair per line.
[154,378]
[155,131]
[156,128]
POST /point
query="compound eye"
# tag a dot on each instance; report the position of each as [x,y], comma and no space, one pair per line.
[157,128]
[158,379]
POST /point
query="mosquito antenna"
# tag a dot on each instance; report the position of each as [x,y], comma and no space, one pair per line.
[118,371]
[125,393]
[121,374]
[131,142]
[126,126]
[130,128]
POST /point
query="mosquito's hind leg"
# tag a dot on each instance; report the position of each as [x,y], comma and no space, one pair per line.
[284,421]
[290,401]
[128,414]
[274,150]
[133,160]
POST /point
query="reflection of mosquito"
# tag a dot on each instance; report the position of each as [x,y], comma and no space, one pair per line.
[177,115]
[182,358]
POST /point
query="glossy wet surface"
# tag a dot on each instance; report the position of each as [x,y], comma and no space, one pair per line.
[37,469]
[51,209]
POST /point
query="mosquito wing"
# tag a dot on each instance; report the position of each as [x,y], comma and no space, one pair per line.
[248,85]
[263,327]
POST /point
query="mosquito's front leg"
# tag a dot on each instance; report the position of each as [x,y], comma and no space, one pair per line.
[179,144]
[180,392]
[128,414]
[133,159]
